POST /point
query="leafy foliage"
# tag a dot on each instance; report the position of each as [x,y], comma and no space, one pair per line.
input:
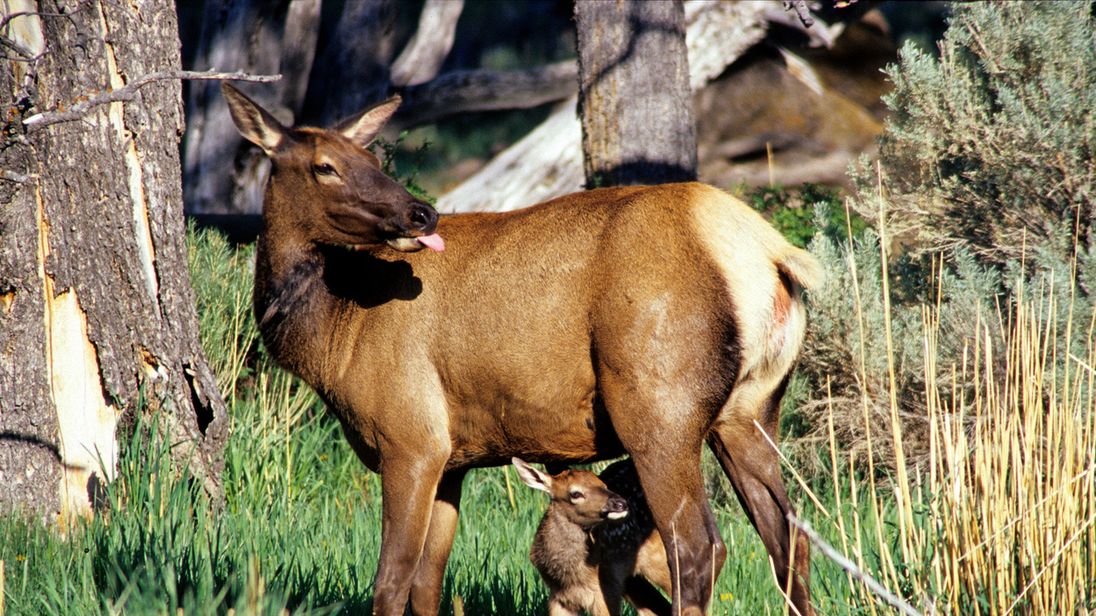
[984,187]
[390,151]
[991,146]
[795,212]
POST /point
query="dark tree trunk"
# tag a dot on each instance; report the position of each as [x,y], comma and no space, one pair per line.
[634,96]
[96,299]
[222,174]
[351,69]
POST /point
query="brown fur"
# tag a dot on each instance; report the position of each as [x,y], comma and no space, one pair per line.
[634,319]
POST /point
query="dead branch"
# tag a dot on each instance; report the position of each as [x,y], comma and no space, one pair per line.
[13,176]
[842,561]
[547,162]
[801,11]
[797,17]
[421,59]
[127,92]
[486,90]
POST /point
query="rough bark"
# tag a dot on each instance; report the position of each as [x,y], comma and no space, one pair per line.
[547,162]
[634,98]
[97,312]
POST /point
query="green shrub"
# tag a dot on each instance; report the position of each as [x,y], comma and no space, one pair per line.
[793,212]
[991,146]
[986,180]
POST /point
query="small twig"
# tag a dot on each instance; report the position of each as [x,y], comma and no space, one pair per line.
[12,176]
[127,92]
[837,557]
[7,18]
[12,44]
[801,11]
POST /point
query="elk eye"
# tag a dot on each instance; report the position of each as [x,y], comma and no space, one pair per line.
[577,496]
[324,169]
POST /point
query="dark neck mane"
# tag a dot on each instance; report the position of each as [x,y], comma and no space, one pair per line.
[292,306]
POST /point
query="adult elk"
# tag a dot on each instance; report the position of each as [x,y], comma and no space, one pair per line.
[641,320]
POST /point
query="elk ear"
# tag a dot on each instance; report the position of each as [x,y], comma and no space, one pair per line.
[532,477]
[364,127]
[254,123]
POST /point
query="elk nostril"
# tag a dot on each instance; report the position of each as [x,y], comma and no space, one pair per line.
[422,216]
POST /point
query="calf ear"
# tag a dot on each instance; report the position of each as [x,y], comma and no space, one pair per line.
[364,127]
[254,123]
[532,477]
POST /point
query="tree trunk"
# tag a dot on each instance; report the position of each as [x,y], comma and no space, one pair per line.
[97,315]
[634,96]
[422,57]
[351,68]
[547,162]
[221,172]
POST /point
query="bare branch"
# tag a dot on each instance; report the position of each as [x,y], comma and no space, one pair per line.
[422,58]
[818,32]
[127,92]
[24,53]
[837,557]
[7,18]
[486,90]
[12,176]
[801,11]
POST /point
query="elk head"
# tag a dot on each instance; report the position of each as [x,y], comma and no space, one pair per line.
[583,498]
[328,187]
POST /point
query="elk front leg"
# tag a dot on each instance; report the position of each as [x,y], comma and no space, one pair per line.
[426,589]
[408,489]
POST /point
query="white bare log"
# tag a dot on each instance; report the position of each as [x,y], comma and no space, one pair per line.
[423,56]
[547,162]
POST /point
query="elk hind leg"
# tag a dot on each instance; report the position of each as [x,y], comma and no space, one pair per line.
[753,467]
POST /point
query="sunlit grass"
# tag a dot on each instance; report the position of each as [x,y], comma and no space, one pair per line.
[1001,518]
[999,521]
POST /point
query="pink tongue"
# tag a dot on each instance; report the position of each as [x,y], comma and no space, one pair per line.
[432,241]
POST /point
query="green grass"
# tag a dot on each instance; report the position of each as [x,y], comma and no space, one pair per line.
[300,527]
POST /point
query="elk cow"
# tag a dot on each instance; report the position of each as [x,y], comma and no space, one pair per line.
[642,319]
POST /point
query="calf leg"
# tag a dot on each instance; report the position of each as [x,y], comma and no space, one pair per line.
[426,589]
[645,598]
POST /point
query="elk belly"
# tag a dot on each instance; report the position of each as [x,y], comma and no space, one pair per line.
[573,431]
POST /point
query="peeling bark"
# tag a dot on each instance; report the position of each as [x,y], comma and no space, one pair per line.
[93,263]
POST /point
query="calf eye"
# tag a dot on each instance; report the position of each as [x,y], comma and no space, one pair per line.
[577,495]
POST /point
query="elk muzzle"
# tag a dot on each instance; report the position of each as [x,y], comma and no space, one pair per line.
[418,231]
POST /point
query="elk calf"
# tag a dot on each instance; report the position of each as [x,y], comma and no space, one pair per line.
[597,542]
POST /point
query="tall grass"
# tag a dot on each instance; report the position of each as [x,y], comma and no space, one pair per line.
[998,521]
